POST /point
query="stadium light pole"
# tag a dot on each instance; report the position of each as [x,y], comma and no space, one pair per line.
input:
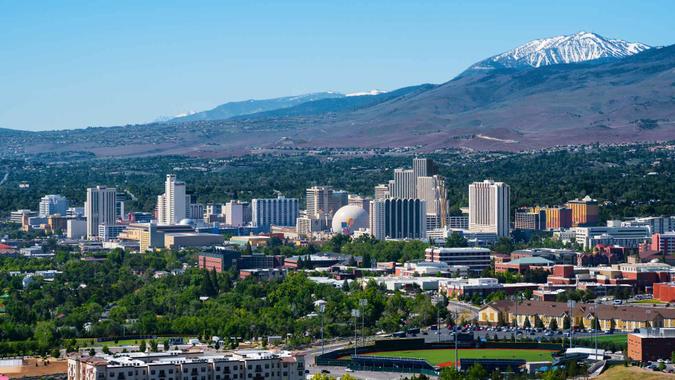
[454,327]
[355,314]
[321,304]
[439,303]
[571,304]
[362,305]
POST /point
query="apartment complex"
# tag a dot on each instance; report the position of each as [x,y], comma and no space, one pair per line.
[178,365]
[609,317]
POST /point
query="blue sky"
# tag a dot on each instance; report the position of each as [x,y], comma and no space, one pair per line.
[72,64]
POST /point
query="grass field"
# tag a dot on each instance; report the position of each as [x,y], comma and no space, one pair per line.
[614,338]
[445,356]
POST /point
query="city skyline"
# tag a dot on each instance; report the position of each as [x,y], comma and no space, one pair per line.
[102,65]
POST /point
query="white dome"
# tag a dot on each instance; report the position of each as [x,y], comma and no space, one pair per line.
[349,219]
[186,222]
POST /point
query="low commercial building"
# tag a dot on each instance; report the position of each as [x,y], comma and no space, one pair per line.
[664,292]
[430,268]
[315,261]
[524,264]
[481,287]
[149,235]
[219,260]
[177,365]
[477,259]
[267,274]
[191,239]
[651,344]
[612,234]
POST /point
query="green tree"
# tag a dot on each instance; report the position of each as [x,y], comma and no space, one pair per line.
[538,323]
[553,324]
[450,373]
[527,324]
[476,372]
[105,349]
[566,323]
[142,346]
[45,334]
[456,240]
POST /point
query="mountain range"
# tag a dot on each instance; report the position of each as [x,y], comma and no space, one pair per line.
[574,89]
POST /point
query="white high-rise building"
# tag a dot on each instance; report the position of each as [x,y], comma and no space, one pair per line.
[279,211]
[99,208]
[174,205]
[53,204]
[234,213]
[319,198]
[424,167]
[489,207]
[404,185]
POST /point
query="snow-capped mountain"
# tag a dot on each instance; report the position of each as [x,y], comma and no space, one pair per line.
[579,47]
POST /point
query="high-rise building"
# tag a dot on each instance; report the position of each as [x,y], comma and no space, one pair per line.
[530,219]
[53,204]
[196,211]
[396,218]
[99,208]
[557,217]
[424,167]
[381,191]
[358,201]
[319,198]
[120,199]
[340,198]
[404,185]
[585,212]
[489,207]
[174,205]
[234,213]
[432,191]
[325,199]
[279,211]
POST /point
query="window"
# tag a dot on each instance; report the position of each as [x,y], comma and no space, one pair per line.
[152,372]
